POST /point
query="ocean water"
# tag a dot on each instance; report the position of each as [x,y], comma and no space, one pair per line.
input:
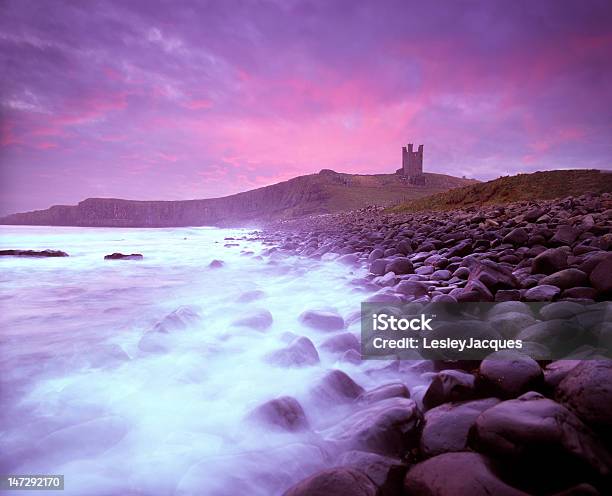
[81,398]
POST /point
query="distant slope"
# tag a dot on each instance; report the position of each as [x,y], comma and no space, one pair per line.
[537,186]
[326,192]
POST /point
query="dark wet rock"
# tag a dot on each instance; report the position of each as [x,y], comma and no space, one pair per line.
[558,334]
[450,385]
[33,253]
[582,292]
[601,276]
[460,249]
[550,261]
[561,310]
[340,481]
[400,266]
[385,471]
[510,324]
[456,474]
[425,270]
[462,273]
[341,343]
[446,427]
[543,292]
[567,278]
[516,429]
[393,390]
[299,353]
[565,235]
[508,295]
[377,267]
[337,386]
[556,371]
[474,290]
[518,236]
[216,264]
[579,490]
[586,389]
[509,306]
[121,256]
[383,297]
[508,374]
[259,320]
[415,289]
[284,413]
[375,254]
[492,275]
[389,427]
[534,214]
[322,320]
[440,275]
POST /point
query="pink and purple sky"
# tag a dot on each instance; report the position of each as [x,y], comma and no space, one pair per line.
[194,99]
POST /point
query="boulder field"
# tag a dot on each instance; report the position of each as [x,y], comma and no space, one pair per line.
[504,425]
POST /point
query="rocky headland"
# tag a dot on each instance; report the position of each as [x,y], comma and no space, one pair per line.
[326,192]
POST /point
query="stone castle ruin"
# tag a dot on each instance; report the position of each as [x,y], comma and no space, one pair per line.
[412,164]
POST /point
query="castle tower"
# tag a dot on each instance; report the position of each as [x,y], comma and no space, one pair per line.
[412,162]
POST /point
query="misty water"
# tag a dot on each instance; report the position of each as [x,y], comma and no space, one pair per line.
[81,398]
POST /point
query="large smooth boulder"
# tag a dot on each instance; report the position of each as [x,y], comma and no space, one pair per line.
[550,261]
[558,335]
[389,427]
[299,353]
[446,427]
[532,426]
[392,390]
[337,386]
[322,320]
[542,292]
[385,471]
[565,235]
[517,236]
[601,276]
[565,279]
[415,289]
[456,474]
[556,371]
[284,413]
[507,374]
[339,481]
[586,389]
[511,323]
[401,265]
[450,385]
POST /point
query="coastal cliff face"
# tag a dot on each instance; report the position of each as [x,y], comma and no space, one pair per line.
[326,192]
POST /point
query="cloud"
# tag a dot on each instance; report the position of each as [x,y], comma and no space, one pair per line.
[204,99]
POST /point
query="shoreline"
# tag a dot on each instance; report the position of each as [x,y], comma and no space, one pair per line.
[398,438]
